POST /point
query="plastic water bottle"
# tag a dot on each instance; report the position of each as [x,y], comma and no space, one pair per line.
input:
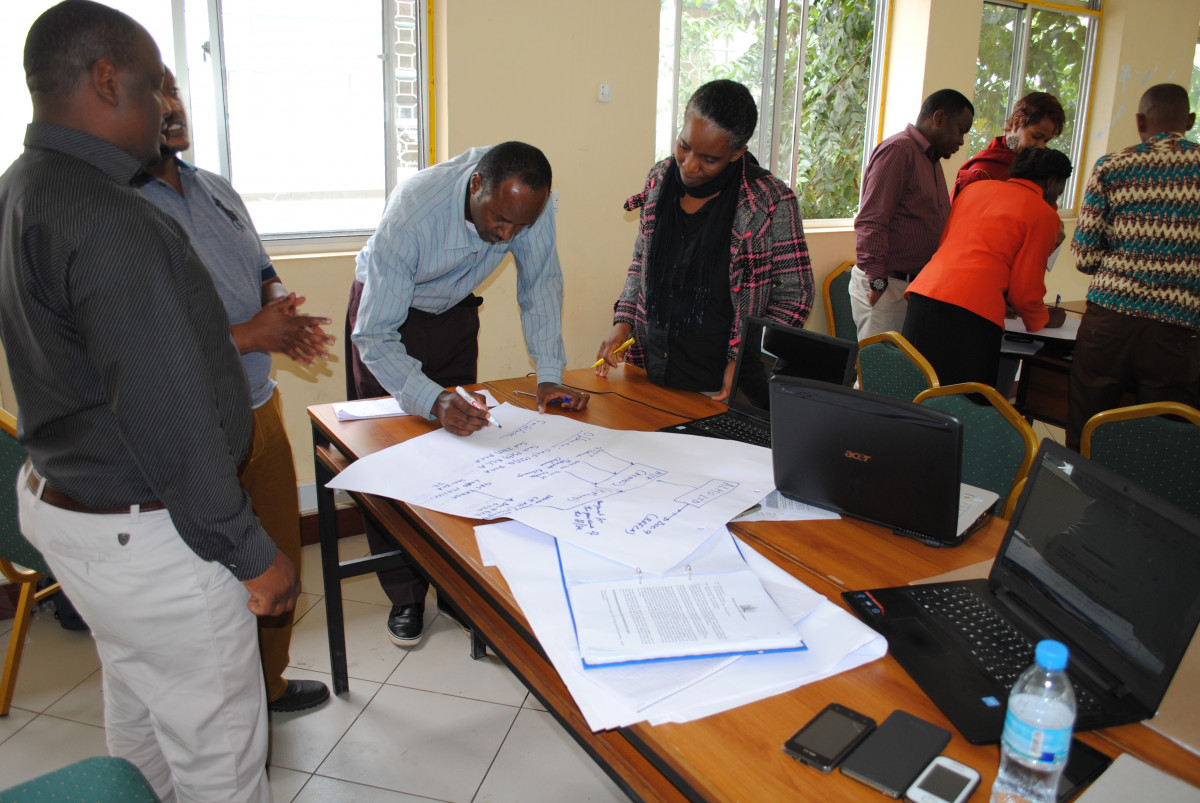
[1037,730]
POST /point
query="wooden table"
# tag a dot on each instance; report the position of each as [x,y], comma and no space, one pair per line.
[733,756]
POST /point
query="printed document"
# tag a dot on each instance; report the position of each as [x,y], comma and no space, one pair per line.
[715,605]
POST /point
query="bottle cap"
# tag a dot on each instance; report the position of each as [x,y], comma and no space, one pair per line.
[1051,655]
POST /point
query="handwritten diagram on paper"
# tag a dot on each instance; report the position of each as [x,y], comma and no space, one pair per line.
[644,498]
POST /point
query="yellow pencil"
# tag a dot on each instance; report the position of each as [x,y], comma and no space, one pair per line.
[616,351]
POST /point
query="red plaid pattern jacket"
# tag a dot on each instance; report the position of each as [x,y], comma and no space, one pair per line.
[769,272]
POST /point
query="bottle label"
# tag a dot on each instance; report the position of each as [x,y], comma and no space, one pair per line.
[1036,744]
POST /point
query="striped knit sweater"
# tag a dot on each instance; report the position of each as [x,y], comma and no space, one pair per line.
[1138,233]
[769,272]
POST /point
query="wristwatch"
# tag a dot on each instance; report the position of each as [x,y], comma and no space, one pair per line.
[879,284]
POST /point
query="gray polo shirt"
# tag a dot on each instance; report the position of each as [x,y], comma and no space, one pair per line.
[219,226]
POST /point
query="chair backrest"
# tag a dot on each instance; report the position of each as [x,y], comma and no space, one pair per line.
[998,444]
[13,546]
[1160,454]
[100,779]
[835,292]
[889,365]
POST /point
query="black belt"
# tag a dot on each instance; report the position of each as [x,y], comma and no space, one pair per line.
[52,496]
[895,274]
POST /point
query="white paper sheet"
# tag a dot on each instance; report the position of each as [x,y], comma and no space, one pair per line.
[713,605]
[385,407]
[647,499]
[1067,331]
[777,507]
[367,408]
[675,691]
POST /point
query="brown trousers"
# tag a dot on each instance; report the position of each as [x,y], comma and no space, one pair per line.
[269,478]
[448,347]
[1115,352]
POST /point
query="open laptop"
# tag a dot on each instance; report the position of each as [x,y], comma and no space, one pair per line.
[770,349]
[1089,559]
[873,457]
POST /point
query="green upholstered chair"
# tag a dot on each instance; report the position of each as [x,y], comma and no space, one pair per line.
[100,779]
[835,292]
[1159,453]
[19,561]
[998,444]
[889,365]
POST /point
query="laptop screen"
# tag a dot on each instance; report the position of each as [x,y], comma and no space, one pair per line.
[774,349]
[1108,564]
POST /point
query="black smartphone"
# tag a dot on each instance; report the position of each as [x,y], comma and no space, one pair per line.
[892,757]
[1084,765]
[829,737]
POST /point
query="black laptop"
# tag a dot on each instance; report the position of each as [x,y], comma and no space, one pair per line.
[876,458]
[772,349]
[1089,559]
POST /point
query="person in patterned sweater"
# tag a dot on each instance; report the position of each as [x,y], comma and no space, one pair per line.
[1138,236]
[719,238]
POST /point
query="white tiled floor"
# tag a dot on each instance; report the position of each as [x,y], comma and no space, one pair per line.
[426,723]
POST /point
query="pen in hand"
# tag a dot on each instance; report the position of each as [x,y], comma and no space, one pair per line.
[616,351]
[471,401]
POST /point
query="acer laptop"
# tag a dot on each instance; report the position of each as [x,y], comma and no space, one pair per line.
[872,457]
[772,349]
[1089,559]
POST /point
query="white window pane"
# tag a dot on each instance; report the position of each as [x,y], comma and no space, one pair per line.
[304,83]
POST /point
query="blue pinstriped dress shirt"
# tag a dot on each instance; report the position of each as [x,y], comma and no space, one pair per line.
[425,255]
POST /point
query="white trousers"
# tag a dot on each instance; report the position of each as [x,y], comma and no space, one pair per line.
[183,688]
[888,313]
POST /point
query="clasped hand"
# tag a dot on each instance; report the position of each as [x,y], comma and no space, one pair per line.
[279,327]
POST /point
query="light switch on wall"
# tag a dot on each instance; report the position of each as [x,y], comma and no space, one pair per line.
[605,93]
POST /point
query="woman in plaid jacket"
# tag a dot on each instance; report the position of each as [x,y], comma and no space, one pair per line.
[719,239]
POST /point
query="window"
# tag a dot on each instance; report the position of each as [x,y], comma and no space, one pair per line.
[810,65]
[313,110]
[1194,92]
[1025,47]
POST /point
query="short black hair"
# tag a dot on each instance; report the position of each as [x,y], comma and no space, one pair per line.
[1039,164]
[950,101]
[514,160]
[67,39]
[729,106]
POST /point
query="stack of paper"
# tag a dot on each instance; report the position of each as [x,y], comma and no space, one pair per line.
[676,691]
[626,531]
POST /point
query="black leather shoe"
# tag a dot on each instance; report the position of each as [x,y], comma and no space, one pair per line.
[300,695]
[453,616]
[406,623]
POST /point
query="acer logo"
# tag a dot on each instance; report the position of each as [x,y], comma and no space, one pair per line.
[859,456]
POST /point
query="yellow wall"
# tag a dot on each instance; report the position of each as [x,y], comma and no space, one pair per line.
[530,70]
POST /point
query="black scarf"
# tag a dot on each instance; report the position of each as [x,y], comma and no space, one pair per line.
[682,308]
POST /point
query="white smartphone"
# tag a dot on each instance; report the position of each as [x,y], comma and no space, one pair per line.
[943,781]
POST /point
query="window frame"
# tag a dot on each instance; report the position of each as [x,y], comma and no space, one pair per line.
[770,111]
[1017,76]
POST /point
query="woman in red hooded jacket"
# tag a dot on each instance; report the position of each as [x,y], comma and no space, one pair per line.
[1037,118]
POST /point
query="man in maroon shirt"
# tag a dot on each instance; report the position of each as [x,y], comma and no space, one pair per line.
[904,208]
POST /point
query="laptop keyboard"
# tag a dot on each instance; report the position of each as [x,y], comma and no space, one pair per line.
[736,428]
[996,647]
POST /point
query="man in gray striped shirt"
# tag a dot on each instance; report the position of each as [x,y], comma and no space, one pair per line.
[135,412]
